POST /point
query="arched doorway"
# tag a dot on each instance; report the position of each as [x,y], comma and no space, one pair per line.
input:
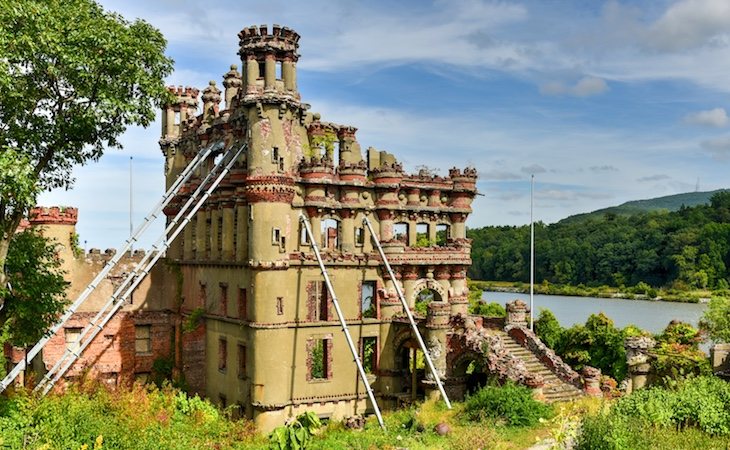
[411,365]
[469,367]
[425,291]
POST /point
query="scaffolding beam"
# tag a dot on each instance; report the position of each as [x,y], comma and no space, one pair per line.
[414,326]
[181,179]
[341,317]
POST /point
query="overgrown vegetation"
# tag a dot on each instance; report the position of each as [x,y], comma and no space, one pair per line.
[514,404]
[693,415]
[142,417]
[686,249]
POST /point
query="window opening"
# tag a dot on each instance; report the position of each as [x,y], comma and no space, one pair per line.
[359,236]
[422,239]
[330,234]
[320,359]
[242,304]
[143,339]
[241,361]
[368,303]
[224,300]
[72,336]
[369,354]
[222,354]
[442,234]
[400,232]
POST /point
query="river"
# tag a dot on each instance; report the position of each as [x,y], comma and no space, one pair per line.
[652,316]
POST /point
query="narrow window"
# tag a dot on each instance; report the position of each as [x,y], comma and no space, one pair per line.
[359,236]
[319,359]
[275,155]
[242,304]
[422,239]
[241,361]
[177,118]
[278,70]
[208,235]
[143,339]
[222,354]
[223,400]
[330,234]
[369,354]
[224,300]
[368,303]
[442,234]
[235,231]
[400,232]
[72,337]
[318,302]
[279,306]
[194,235]
[275,236]
[303,236]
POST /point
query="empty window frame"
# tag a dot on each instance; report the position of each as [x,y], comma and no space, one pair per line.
[224,300]
[369,354]
[143,339]
[442,234]
[222,354]
[241,361]
[319,358]
[319,303]
[359,236]
[368,300]
[330,234]
[72,337]
[400,232]
[242,304]
[422,239]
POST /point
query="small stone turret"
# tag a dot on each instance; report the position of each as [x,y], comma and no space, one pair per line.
[178,112]
[232,82]
[265,52]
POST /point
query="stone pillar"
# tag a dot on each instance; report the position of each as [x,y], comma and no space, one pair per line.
[460,301]
[231,83]
[287,73]
[269,72]
[638,360]
[720,357]
[517,313]
[592,381]
[410,275]
[458,226]
[437,324]
[386,225]
[348,231]
[252,73]
[228,232]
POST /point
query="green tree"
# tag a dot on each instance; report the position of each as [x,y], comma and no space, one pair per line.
[73,78]
[548,328]
[37,289]
[716,319]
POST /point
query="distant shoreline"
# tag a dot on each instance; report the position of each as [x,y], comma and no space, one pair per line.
[658,295]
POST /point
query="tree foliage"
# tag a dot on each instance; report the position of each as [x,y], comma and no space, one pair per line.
[37,293]
[689,248]
[716,319]
[73,78]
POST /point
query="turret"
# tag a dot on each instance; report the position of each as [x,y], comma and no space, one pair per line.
[269,59]
[177,113]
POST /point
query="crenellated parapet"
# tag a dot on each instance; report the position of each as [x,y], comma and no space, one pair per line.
[55,215]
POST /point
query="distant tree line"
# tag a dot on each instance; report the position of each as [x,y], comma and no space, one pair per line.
[688,248]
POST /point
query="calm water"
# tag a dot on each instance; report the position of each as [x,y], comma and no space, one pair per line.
[648,315]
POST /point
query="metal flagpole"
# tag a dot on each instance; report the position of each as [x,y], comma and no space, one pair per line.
[131,230]
[532,255]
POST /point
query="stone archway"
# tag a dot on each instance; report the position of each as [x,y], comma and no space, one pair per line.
[430,284]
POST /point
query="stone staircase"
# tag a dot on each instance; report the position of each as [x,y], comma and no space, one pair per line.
[555,389]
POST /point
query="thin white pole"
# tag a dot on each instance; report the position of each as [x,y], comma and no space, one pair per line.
[532,254]
[131,230]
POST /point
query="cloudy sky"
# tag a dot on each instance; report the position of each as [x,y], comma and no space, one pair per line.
[603,101]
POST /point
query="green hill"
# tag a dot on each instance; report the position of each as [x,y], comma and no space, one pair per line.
[667,203]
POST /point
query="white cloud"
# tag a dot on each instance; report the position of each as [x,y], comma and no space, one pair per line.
[584,87]
[716,117]
[691,23]
[604,168]
[718,148]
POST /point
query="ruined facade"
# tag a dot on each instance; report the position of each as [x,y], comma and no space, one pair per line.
[269,339]
[239,306]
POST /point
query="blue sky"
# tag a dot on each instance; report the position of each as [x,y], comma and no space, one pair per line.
[604,102]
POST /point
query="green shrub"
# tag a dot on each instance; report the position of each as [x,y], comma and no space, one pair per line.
[296,434]
[548,328]
[491,309]
[512,403]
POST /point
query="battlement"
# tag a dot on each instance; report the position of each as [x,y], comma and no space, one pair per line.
[280,38]
[186,92]
[55,215]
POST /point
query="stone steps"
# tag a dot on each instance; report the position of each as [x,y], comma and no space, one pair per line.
[554,389]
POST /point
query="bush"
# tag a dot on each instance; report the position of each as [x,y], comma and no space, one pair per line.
[648,418]
[512,403]
[548,328]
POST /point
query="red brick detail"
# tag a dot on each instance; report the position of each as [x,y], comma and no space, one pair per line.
[53,216]
[193,357]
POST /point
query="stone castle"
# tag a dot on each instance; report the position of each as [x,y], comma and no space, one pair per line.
[239,307]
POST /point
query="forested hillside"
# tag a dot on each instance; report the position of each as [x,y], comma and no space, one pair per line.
[686,248]
[667,203]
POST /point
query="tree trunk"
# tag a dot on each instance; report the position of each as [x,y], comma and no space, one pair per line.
[6,234]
